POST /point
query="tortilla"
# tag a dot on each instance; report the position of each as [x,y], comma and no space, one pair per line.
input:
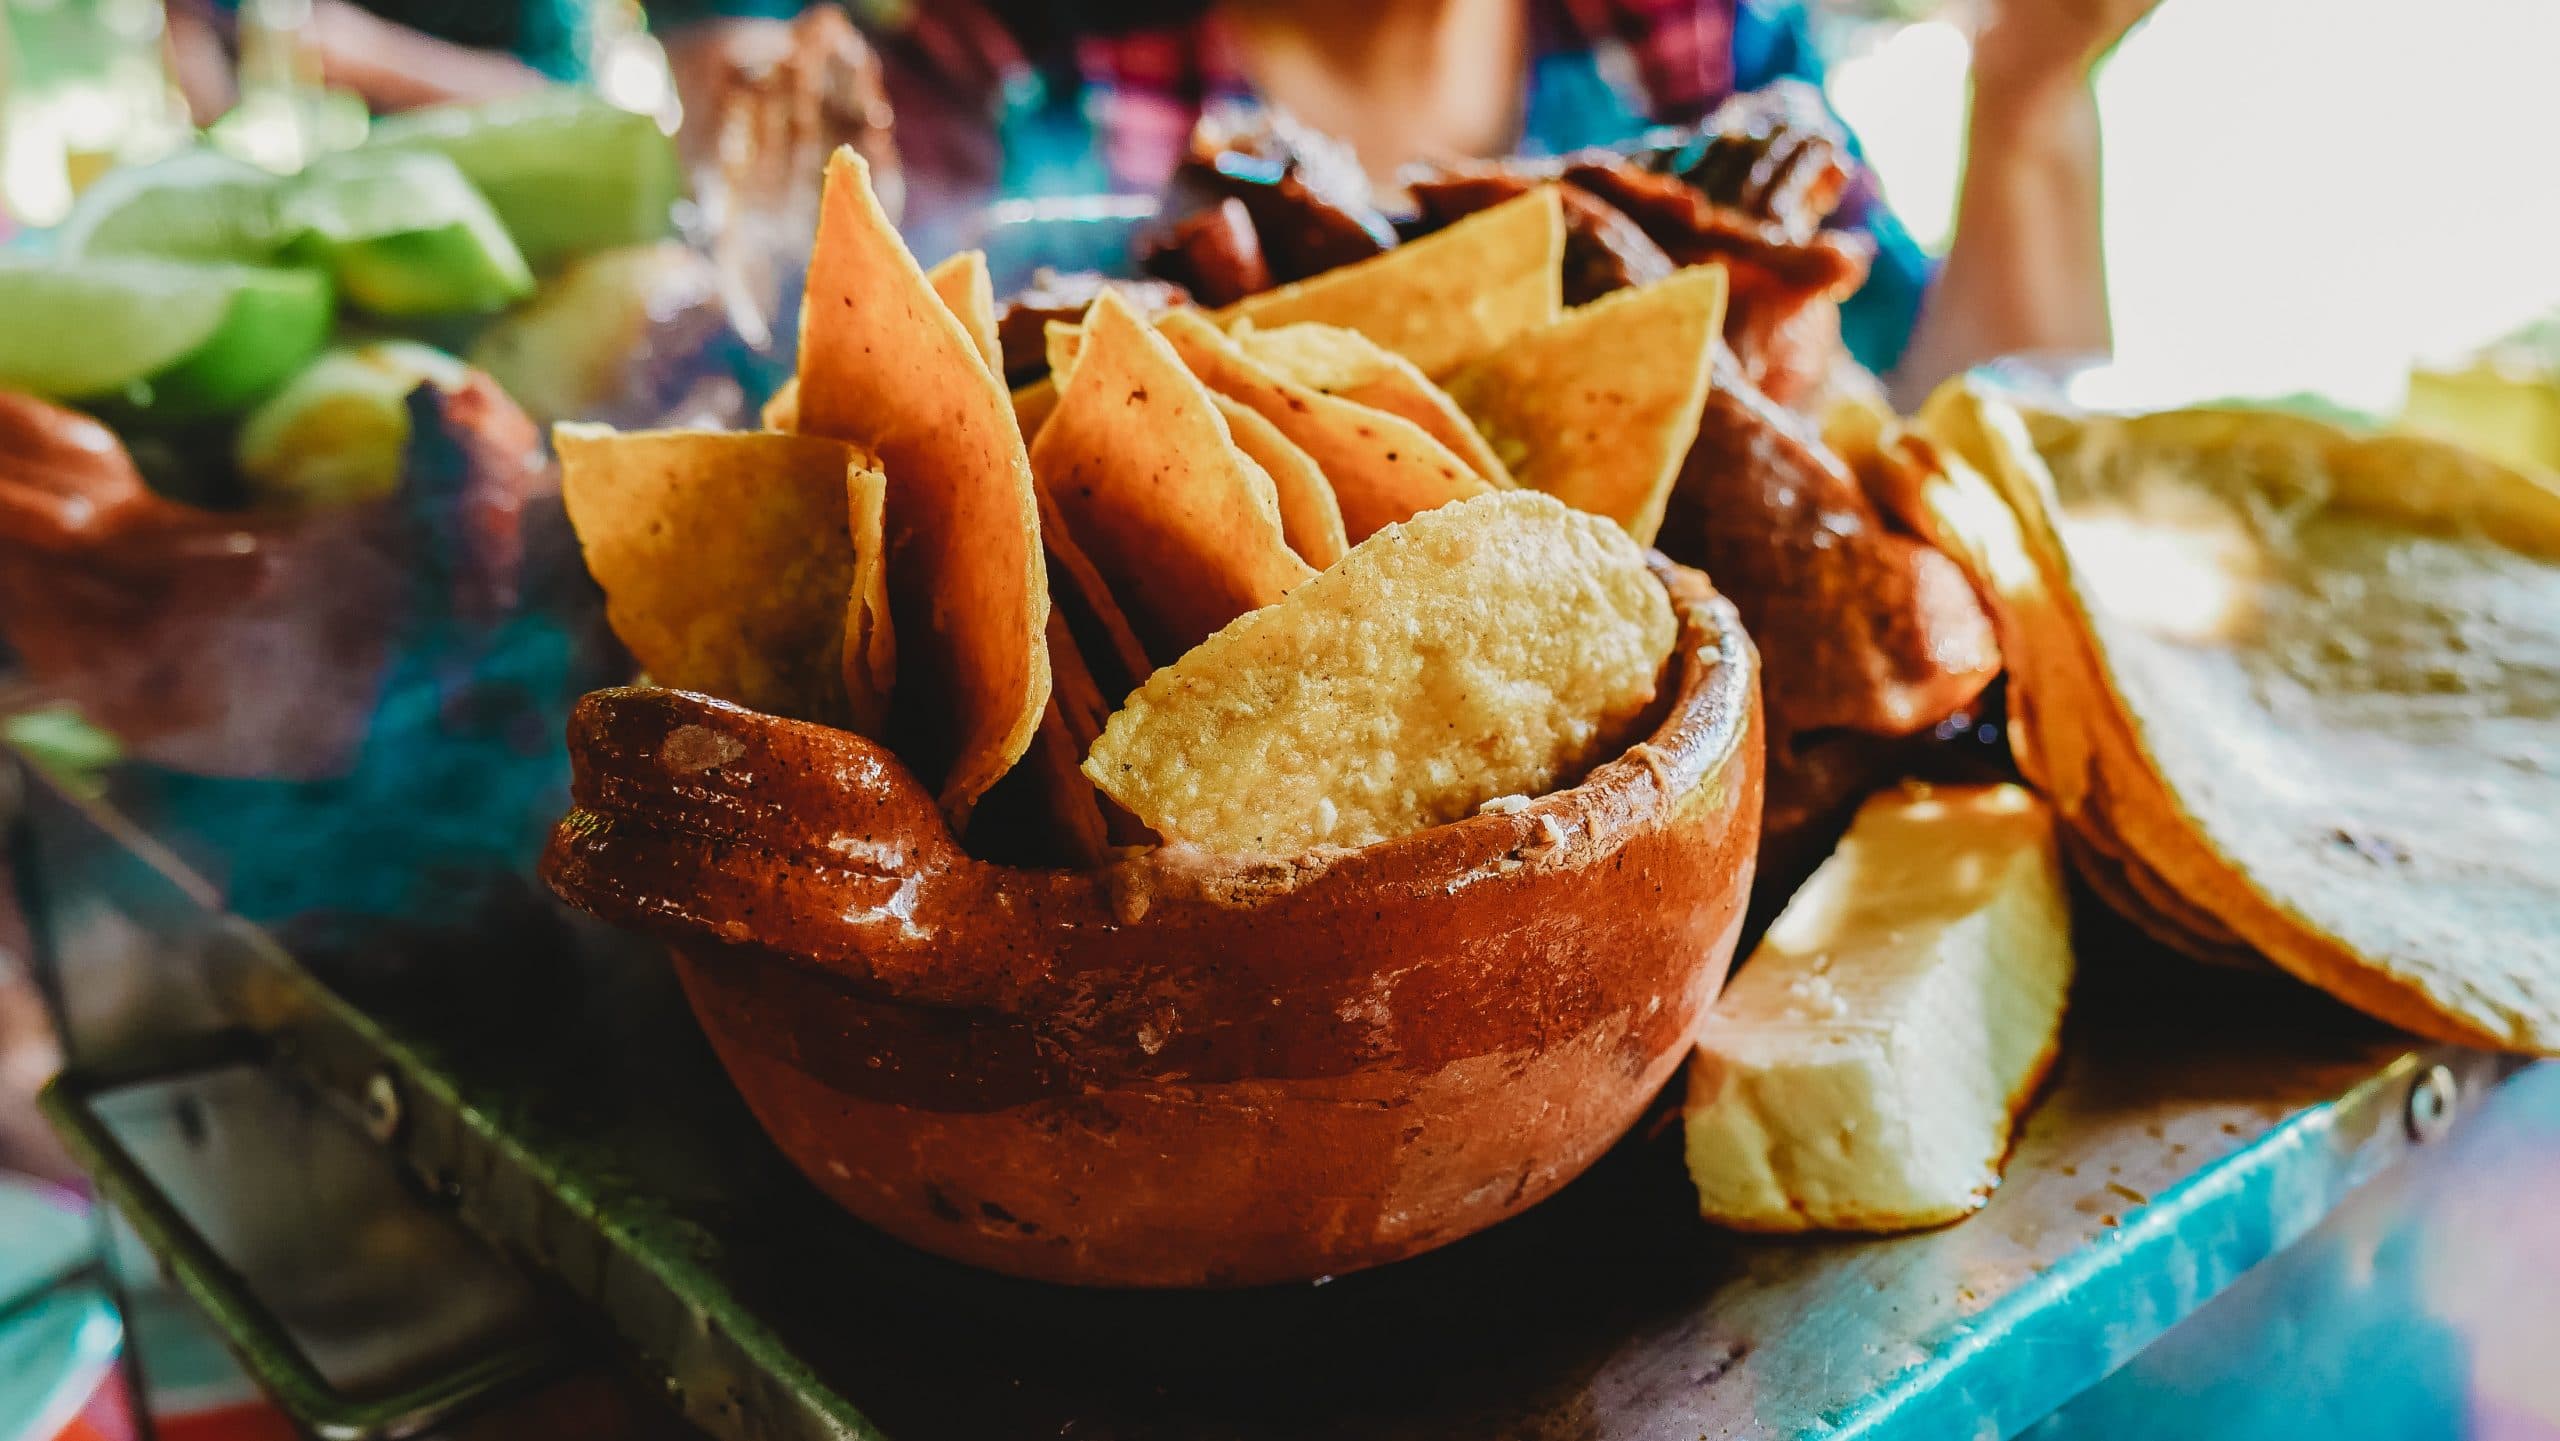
[1444,299]
[885,364]
[782,409]
[1310,518]
[1383,468]
[1351,365]
[1600,408]
[1184,528]
[2310,681]
[743,565]
[967,290]
[1498,646]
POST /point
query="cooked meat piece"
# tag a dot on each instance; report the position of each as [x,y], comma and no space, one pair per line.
[1773,154]
[1022,322]
[1307,196]
[1863,629]
[1603,249]
[1214,253]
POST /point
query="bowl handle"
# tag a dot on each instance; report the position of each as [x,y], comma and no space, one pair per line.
[701,821]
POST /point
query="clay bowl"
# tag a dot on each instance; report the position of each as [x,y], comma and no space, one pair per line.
[1178,1070]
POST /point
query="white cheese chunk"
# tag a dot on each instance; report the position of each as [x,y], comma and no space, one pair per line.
[1864,1070]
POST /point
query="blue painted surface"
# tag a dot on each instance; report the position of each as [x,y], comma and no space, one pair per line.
[2426,1308]
[54,1351]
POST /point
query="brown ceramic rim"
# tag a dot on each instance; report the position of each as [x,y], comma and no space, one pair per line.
[696,863]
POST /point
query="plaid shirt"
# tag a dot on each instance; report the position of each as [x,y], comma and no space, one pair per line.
[1669,62]
[1114,111]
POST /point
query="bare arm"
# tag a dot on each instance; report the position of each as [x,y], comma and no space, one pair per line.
[2027,269]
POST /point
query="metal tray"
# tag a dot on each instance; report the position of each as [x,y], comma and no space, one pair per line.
[541,1077]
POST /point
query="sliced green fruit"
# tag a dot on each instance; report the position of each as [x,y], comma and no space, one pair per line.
[339,431]
[277,320]
[187,336]
[195,205]
[406,235]
[567,172]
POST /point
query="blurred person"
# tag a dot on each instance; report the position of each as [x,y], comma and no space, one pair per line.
[1019,97]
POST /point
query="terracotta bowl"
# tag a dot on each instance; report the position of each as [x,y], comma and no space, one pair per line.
[1178,1070]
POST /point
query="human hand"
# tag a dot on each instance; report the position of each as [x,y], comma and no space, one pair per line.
[2031,44]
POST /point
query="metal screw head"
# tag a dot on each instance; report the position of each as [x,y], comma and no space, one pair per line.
[381,1107]
[2432,1100]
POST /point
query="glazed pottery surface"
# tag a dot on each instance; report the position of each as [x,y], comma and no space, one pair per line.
[1179,1069]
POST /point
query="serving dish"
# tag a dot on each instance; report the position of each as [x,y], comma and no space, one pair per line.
[1179,1070]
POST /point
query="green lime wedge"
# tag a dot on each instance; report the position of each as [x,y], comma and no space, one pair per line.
[193,338]
[406,234]
[195,205]
[277,321]
[567,172]
[339,431]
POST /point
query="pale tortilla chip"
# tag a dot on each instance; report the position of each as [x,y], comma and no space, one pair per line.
[1600,408]
[1384,468]
[1499,646]
[1310,517]
[884,363]
[1351,365]
[965,287]
[1442,300]
[2311,682]
[1183,526]
[732,564]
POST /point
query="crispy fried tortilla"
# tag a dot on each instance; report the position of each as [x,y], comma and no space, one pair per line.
[1384,468]
[1351,365]
[2309,681]
[965,287]
[885,364]
[746,566]
[1498,646]
[1444,299]
[1183,526]
[1599,408]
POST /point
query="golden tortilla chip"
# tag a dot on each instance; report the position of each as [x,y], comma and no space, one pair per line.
[1031,406]
[885,364]
[1600,408]
[2306,680]
[964,285]
[1351,365]
[782,409]
[1183,526]
[870,640]
[1384,468]
[1309,516]
[1498,646]
[732,564]
[1442,300]
[1044,812]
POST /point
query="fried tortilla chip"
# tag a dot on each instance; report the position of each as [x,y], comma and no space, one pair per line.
[739,564]
[1499,646]
[1183,526]
[1044,812]
[885,364]
[782,409]
[1309,515]
[1600,408]
[2309,681]
[1384,468]
[1443,300]
[965,287]
[1351,365]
